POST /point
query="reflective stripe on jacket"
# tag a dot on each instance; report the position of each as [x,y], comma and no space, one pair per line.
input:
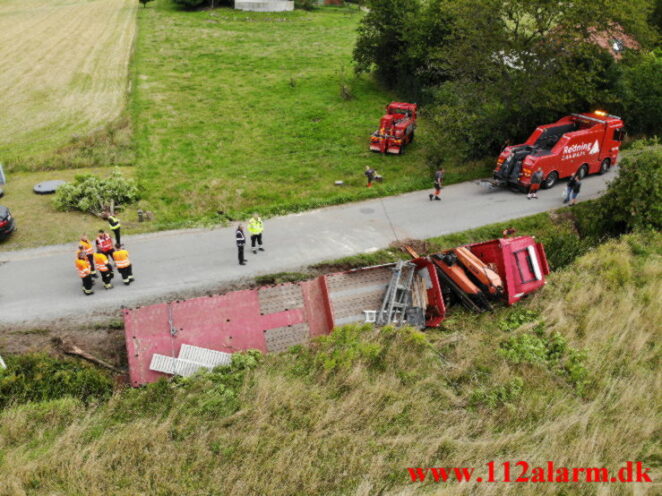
[240,237]
[101,262]
[121,259]
[255,226]
[83,267]
[89,250]
[105,243]
[114,222]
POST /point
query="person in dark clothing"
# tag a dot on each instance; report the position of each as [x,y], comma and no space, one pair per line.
[536,181]
[114,223]
[576,187]
[240,237]
[569,188]
[370,174]
[438,181]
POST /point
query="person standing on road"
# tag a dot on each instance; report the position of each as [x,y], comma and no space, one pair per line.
[104,244]
[438,182]
[86,246]
[240,238]
[83,267]
[255,227]
[536,181]
[123,264]
[114,226]
[569,188]
[576,187]
[370,174]
[105,269]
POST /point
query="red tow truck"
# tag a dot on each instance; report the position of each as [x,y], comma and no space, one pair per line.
[396,128]
[578,143]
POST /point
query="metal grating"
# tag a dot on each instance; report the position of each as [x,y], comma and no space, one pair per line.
[282,338]
[204,356]
[360,279]
[175,366]
[280,298]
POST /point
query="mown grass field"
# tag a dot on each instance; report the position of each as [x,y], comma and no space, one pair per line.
[238,111]
[64,73]
[569,375]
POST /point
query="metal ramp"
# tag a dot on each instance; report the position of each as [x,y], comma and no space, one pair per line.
[398,295]
[191,359]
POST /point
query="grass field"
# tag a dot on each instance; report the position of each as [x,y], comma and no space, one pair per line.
[64,73]
[568,376]
[240,111]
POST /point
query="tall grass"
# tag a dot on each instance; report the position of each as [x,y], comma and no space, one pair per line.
[350,414]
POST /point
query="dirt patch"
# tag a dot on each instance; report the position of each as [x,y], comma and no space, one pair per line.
[421,247]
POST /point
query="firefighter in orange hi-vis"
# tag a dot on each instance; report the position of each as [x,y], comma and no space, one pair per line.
[123,264]
[85,246]
[103,266]
[84,271]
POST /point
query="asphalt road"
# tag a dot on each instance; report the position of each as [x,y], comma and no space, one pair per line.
[42,284]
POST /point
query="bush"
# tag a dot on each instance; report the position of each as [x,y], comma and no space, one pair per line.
[89,193]
[194,4]
[552,352]
[633,200]
[40,377]
[304,4]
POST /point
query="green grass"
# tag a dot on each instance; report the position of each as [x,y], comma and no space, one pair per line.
[569,375]
[239,111]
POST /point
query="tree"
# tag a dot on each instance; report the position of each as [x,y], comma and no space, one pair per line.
[640,91]
[145,2]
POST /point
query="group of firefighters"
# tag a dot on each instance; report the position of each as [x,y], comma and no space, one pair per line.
[90,262]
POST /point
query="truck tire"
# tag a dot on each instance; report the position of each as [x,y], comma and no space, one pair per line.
[411,138]
[605,165]
[582,172]
[550,180]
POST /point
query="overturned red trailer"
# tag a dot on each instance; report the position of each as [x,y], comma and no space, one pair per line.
[274,318]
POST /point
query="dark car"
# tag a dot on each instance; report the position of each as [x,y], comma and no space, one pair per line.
[6,222]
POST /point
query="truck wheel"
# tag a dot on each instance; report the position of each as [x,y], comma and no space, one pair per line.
[604,166]
[551,180]
[411,137]
[582,172]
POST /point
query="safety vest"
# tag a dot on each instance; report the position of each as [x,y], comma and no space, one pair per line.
[114,222]
[101,262]
[105,243]
[255,226]
[83,267]
[121,259]
[89,250]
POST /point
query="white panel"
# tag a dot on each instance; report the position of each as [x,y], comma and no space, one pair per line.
[162,363]
[204,356]
[175,366]
[534,262]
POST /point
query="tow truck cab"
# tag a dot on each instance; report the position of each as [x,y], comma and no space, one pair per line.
[579,143]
